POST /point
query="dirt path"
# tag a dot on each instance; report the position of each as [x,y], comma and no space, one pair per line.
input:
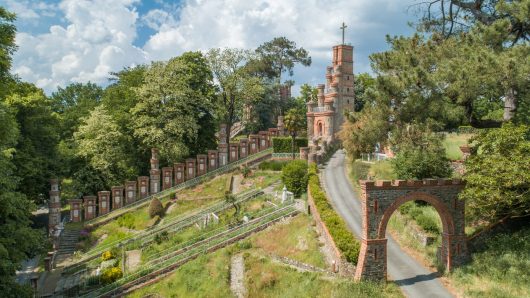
[237,276]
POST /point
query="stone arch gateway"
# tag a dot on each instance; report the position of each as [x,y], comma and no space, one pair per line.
[379,201]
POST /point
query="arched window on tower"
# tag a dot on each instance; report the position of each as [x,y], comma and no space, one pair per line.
[320,129]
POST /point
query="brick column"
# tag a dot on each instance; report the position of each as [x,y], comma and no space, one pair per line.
[213,159]
[154,176]
[191,171]
[372,260]
[130,192]
[304,151]
[117,197]
[254,144]
[103,202]
[263,140]
[75,209]
[167,180]
[280,125]
[234,152]
[202,166]
[273,132]
[180,175]
[90,207]
[54,205]
[143,187]
[243,148]
[222,133]
[223,154]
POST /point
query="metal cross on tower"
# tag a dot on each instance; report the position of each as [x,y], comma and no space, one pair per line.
[343,29]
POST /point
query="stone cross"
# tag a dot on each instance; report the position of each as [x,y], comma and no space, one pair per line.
[343,28]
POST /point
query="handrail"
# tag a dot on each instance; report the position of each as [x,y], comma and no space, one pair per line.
[185,220]
[186,184]
[193,251]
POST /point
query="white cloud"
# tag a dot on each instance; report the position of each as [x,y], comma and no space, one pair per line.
[97,39]
[99,34]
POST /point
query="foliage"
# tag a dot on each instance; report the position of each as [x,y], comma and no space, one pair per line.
[156,208]
[364,130]
[343,238]
[111,274]
[238,89]
[360,170]
[246,171]
[175,107]
[230,198]
[308,93]
[423,217]
[498,173]
[100,142]
[294,121]
[363,81]
[294,176]
[272,165]
[107,255]
[284,144]
[420,155]
[7,47]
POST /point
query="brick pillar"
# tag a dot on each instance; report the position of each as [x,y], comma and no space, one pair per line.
[103,202]
[223,155]
[281,127]
[117,197]
[243,148]
[154,176]
[254,144]
[202,166]
[167,180]
[263,140]
[143,187]
[234,152]
[130,192]
[75,209]
[372,260]
[304,151]
[273,132]
[154,159]
[191,171]
[222,133]
[54,205]
[179,173]
[90,207]
[213,159]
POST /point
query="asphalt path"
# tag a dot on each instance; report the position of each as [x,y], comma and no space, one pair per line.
[413,279]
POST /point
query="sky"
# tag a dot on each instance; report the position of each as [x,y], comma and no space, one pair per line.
[65,41]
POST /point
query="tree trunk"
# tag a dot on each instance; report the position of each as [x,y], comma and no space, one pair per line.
[510,105]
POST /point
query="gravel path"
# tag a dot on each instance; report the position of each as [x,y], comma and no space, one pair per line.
[414,279]
[237,276]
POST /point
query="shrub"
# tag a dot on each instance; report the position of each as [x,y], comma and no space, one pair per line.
[343,238]
[360,170]
[126,221]
[156,208]
[272,165]
[107,255]
[284,144]
[427,223]
[245,171]
[294,176]
[111,275]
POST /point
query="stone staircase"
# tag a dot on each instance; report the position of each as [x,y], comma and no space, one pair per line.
[67,245]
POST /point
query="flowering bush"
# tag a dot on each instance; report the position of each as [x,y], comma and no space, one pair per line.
[107,255]
[110,275]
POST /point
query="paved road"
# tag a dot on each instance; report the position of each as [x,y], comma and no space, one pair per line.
[414,279]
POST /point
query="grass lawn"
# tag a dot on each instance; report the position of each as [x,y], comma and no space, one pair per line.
[502,269]
[452,143]
[211,189]
[260,179]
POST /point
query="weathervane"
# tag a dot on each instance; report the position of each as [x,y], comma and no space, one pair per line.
[343,29]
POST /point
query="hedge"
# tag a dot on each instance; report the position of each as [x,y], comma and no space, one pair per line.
[344,239]
[284,145]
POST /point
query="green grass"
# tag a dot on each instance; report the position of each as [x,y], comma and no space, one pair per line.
[382,170]
[211,189]
[259,179]
[502,269]
[452,143]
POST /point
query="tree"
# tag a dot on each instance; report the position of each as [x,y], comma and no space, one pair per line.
[420,155]
[363,81]
[294,176]
[175,107]
[7,48]
[498,173]
[156,208]
[238,90]
[35,157]
[101,143]
[294,122]
[232,199]
[308,93]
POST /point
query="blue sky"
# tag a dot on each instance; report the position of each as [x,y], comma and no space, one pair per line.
[65,41]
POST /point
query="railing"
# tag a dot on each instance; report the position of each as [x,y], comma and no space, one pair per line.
[284,155]
[174,225]
[164,266]
[229,167]
[373,157]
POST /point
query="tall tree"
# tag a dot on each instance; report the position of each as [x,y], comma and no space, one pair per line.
[176,106]
[7,47]
[295,121]
[238,89]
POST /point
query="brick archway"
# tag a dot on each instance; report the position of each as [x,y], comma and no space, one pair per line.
[379,201]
